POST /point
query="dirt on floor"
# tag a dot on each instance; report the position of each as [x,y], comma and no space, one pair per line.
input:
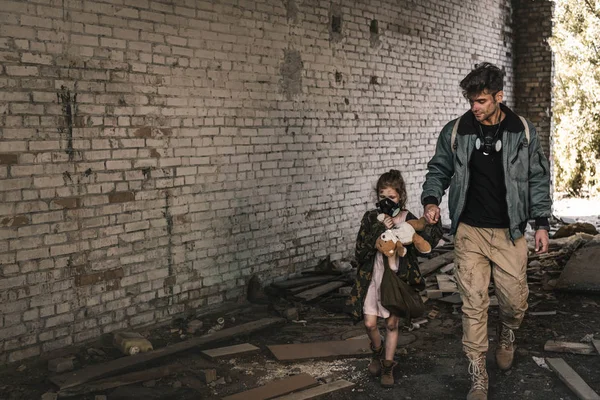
[430,360]
[431,364]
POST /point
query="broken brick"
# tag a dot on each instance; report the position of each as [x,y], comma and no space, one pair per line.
[60,365]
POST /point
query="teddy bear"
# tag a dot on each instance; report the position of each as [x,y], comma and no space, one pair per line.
[392,241]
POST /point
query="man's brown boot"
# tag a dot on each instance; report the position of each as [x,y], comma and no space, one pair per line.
[375,365]
[505,352]
[479,377]
[387,373]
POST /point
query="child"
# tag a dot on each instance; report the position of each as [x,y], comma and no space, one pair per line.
[365,300]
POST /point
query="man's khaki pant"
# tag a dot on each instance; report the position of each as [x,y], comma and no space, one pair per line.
[479,252]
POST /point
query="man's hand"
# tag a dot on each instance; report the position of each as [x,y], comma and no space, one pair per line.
[431,213]
[541,241]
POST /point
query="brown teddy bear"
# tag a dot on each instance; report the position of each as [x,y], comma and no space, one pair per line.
[392,241]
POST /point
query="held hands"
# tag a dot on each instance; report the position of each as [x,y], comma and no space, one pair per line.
[431,213]
[541,241]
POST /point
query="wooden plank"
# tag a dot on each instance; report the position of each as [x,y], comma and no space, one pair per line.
[433,264]
[300,351]
[112,367]
[122,380]
[276,388]
[229,350]
[572,379]
[434,293]
[542,313]
[452,299]
[318,390]
[445,283]
[596,344]
[303,288]
[312,294]
[292,283]
[570,347]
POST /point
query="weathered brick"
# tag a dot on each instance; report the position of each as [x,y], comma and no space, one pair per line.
[197,133]
[121,197]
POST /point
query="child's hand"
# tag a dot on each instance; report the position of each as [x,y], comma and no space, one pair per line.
[388,222]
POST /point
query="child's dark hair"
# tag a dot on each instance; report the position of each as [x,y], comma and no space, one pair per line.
[393,179]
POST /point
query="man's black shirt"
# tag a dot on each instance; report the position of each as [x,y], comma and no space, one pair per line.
[486,198]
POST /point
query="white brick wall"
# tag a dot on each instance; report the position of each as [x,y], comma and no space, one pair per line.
[155,154]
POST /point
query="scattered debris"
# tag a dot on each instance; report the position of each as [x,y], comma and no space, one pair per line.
[312,294]
[207,375]
[229,350]
[49,396]
[346,290]
[276,388]
[287,352]
[91,372]
[452,299]
[572,379]
[60,365]
[568,347]
[542,313]
[582,272]
[447,268]
[577,227]
[589,338]
[122,380]
[218,326]
[318,390]
[291,314]
[131,343]
[194,326]
[541,362]
[435,263]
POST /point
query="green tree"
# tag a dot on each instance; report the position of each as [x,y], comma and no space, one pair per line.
[576,46]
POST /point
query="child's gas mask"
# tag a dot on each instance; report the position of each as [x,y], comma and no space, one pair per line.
[388,207]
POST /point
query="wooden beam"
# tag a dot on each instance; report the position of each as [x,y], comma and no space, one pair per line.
[292,283]
[276,388]
[433,264]
[122,380]
[569,347]
[312,294]
[229,350]
[112,367]
[300,351]
[318,390]
[572,379]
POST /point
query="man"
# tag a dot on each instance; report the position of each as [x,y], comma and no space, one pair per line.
[499,178]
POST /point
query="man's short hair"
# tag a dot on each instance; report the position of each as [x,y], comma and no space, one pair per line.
[485,76]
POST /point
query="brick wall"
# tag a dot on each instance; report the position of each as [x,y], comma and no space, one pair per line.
[155,154]
[533,64]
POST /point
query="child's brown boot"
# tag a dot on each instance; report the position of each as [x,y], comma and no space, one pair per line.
[387,373]
[375,365]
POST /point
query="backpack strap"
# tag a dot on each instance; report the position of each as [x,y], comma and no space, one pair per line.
[524,121]
[453,137]
[455,130]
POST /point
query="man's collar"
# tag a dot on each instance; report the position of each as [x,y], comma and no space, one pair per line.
[511,122]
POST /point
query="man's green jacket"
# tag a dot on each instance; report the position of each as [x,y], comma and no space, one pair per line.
[526,172]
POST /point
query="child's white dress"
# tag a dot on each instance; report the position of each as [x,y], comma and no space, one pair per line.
[372,304]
